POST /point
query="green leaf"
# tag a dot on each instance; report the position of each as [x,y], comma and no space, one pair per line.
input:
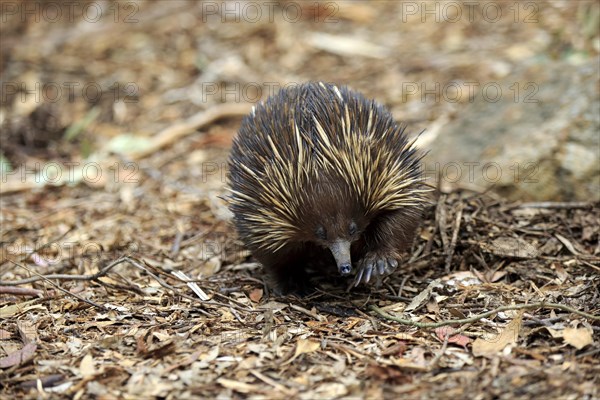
[79,126]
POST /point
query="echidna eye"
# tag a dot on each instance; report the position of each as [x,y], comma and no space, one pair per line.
[321,233]
[353,228]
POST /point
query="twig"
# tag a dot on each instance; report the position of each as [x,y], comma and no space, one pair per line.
[192,285]
[138,265]
[438,356]
[533,320]
[454,238]
[176,246]
[589,264]
[588,353]
[60,288]
[347,349]
[440,219]
[177,131]
[477,317]
[17,291]
[275,384]
[91,277]
[307,312]
[557,205]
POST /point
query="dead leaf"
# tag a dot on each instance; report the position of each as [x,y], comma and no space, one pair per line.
[19,357]
[433,306]
[458,339]
[273,305]
[414,361]
[490,346]
[417,356]
[87,366]
[11,310]
[211,355]
[256,295]
[162,336]
[497,276]
[304,346]
[462,278]
[187,361]
[237,386]
[578,337]
[510,247]
[555,333]
[457,313]
[387,373]
[444,331]
[398,349]
[422,297]
[161,351]
[561,274]
[226,315]
[331,390]
[567,244]
[142,346]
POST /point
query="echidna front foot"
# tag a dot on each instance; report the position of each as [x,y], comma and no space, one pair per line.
[374,267]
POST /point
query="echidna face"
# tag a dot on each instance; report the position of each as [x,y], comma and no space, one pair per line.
[337,234]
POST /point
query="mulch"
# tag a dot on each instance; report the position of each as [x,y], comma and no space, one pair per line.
[169,303]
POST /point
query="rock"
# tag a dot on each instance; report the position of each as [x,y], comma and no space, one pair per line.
[540,142]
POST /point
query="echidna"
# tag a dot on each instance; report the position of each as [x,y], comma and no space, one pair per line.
[321,173]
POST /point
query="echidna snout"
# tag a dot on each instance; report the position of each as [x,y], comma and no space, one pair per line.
[341,252]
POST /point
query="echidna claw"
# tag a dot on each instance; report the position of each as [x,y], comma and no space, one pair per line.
[381,264]
[391,266]
[368,271]
[358,277]
[374,267]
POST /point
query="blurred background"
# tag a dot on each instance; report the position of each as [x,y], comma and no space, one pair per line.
[506,92]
